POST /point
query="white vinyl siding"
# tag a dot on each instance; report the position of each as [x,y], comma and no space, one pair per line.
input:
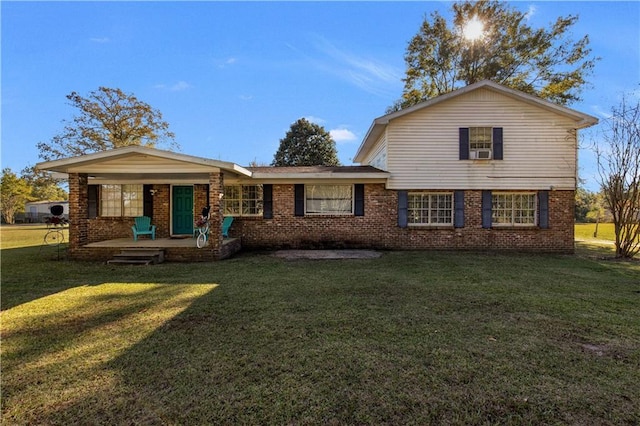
[539,146]
[378,156]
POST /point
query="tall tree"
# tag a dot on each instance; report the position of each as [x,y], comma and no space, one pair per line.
[43,185]
[618,157]
[108,118]
[306,144]
[488,40]
[586,207]
[14,193]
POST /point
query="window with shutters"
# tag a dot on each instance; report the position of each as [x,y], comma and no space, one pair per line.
[430,209]
[121,200]
[328,199]
[513,209]
[480,143]
[243,200]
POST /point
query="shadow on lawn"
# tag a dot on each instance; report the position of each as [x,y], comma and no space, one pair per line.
[29,273]
[216,363]
[63,348]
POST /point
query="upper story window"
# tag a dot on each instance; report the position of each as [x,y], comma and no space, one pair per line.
[329,199]
[481,143]
[430,209]
[121,200]
[243,200]
[513,209]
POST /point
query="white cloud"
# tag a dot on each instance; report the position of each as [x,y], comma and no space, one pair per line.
[600,111]
[530,12]
[315,120]
[342,135]
[100,39]
[367,73]
[227,62]
[177,87]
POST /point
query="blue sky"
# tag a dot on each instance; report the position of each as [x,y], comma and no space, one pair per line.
[231,77]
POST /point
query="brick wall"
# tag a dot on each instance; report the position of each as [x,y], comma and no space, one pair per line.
[378,227]
[107,228]
[78,211]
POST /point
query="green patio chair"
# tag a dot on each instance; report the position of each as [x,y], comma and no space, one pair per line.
[143,226]
[226,224]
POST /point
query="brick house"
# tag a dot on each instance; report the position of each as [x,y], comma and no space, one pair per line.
[483,167]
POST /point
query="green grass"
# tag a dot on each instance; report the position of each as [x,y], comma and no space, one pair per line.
[409,338]
[585,231]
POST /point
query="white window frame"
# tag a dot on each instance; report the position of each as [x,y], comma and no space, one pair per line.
[431,210]
[121,200]
[480,139]
[513,214]
[244,205]
[325,206]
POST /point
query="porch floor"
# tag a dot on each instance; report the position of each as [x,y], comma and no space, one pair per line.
[149,243]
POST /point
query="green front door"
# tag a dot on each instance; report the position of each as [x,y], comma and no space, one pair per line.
[182,210]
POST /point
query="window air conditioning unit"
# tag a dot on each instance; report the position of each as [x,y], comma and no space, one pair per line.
[481,154]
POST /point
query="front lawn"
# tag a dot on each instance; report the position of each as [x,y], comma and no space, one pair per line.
[409,338]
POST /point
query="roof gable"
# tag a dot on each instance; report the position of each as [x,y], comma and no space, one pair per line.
[378,126]
[139,159]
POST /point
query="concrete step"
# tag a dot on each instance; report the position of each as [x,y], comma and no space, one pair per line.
[130,262]
[138,257]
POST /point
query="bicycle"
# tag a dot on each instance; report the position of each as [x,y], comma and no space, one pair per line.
[203,228]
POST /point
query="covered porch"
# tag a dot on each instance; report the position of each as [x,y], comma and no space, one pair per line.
[108,190]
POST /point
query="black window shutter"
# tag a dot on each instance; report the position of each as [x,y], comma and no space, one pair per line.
[147,203]
[358,208]
[299,199]
[92,201]
[458,203]
[403,207]
[267,201]
[497,143]
[487,207]
[464,143]
[543,204]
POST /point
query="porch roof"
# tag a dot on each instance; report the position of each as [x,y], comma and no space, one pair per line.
[314,174]
[135,163]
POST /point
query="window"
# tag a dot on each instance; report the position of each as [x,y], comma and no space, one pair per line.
[121,200]
[430,209]
[480,142]
[513,209]
[329,199]
[243,200]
